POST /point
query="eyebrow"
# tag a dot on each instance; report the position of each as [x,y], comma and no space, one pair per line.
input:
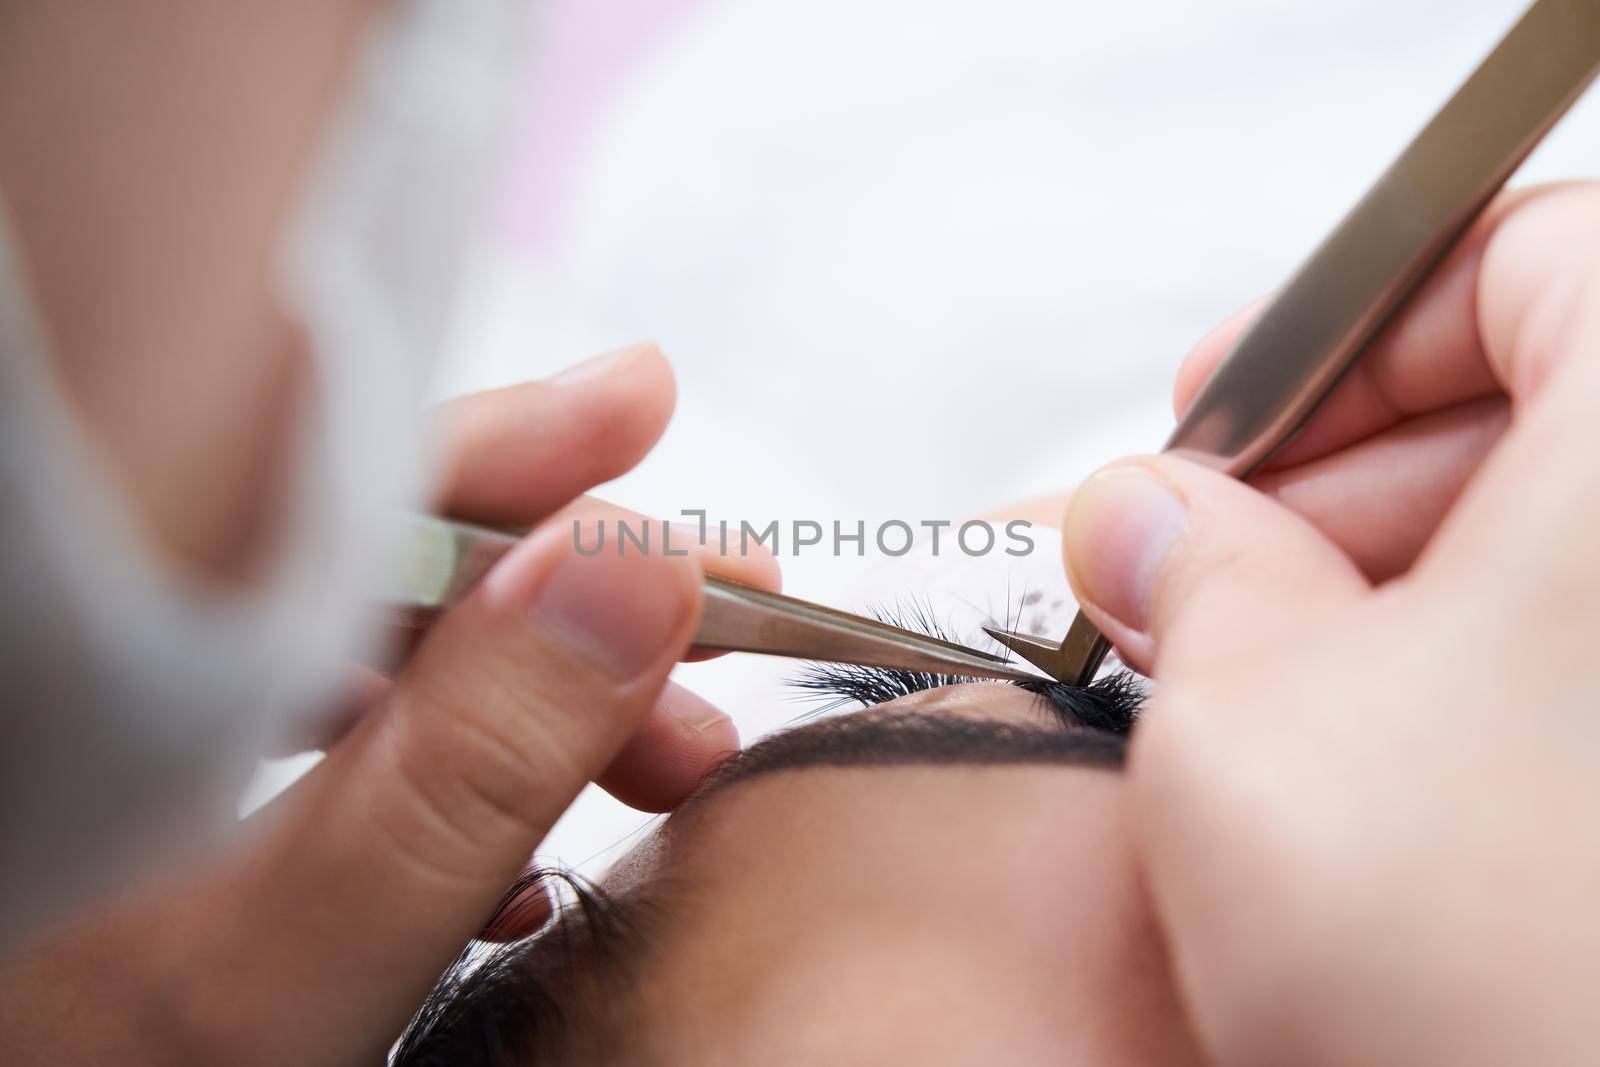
[912,739]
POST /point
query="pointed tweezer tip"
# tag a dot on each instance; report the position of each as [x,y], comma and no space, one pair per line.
[962,661]
[999,669]
[1014,641]
[1048,656]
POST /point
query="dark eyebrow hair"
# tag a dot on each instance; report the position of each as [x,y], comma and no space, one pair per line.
[902,739]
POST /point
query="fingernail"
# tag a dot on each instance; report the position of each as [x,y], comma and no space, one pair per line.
[1119,526]
[620,612]
[600,366]
[697,714]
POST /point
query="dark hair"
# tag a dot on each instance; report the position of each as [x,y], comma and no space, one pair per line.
[553,998]
[1110,704]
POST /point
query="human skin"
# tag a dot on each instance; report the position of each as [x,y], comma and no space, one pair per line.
[1355,788]
[940,914]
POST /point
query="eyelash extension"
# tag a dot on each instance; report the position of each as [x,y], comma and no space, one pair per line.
[847,682]
[1110,704]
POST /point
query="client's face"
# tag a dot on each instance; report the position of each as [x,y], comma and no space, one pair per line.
[943,878]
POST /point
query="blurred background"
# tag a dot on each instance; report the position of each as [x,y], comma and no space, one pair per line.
[916,258]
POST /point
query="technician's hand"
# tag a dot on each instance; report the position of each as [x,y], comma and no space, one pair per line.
[524,454]
[315,942]
[1367,811]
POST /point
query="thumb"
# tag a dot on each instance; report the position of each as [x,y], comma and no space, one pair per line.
[396,848]
[1172,559]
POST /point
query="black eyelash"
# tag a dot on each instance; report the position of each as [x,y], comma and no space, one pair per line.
[1110,704]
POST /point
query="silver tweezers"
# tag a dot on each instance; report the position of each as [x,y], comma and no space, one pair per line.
[442,560]
[1285,365]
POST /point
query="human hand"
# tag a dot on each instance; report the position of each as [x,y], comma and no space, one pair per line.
[314,941]
[1360,805]
[523,455]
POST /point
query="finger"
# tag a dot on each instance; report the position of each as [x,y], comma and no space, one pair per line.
[1380,500]
[1535,297]
[514,455]
[682,738]
[364,689]
[750,563]
[1171,559]
[1530,512]
[733,559]
[403,839]
[1431,357]
[1204,357]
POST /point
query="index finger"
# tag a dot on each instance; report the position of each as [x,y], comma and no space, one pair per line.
[1431,357]
[732,560]
[512,456]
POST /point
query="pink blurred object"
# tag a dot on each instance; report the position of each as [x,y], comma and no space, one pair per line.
[583,51]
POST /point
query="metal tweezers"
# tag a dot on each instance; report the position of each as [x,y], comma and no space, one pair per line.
[442,560]
[1283,368]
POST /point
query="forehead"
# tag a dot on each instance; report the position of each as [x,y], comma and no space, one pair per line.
[968,740]
[782,886]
